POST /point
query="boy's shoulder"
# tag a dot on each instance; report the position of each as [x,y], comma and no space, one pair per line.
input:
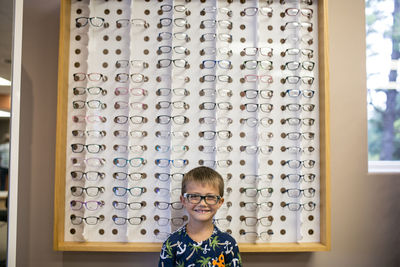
[177,234]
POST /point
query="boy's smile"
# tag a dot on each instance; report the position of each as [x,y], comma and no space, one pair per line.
[201,210]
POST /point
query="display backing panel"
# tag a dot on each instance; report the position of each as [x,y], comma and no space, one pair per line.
[129,242]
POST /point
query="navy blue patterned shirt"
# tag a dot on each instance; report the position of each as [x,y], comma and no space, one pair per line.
[219,250]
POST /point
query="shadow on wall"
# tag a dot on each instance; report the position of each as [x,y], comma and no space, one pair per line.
[95,259]
[386,215]
[25,166]
[287,259]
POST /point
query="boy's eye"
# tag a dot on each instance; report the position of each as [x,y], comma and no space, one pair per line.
[194,197]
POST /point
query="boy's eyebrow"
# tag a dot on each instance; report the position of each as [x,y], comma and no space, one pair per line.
[206,194]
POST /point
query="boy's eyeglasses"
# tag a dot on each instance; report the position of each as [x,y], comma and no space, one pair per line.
[196,198]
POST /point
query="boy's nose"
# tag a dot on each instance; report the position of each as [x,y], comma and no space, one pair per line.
[203,202]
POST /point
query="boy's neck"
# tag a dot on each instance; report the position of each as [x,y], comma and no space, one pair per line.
[199,231]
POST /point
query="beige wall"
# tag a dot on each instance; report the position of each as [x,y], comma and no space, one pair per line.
[365,209]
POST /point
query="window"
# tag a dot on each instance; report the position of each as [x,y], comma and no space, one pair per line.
[383,84]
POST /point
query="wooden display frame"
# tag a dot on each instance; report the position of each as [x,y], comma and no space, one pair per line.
[59,199]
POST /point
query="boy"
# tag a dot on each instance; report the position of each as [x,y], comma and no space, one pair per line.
[200,242]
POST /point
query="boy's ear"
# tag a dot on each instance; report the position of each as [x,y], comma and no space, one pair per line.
[221,201]
[182,199]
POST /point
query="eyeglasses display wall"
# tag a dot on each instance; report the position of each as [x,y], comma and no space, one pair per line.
[151,89]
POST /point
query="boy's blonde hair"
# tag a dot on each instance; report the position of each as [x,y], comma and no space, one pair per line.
[204,175]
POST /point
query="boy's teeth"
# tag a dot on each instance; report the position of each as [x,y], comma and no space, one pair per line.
[202,211]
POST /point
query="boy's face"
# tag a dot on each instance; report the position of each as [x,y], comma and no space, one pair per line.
[201,212]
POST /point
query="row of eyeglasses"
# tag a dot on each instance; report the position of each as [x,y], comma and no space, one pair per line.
[181,119]
[183,22]
[178,220]
[208,51]
[304,13]
[182,105]
[178,176]
[249,121]
[250,236]
[183,63]
[92,205]
[137,162]
[204,92]
[93,148]
[249,149]
[136,191]
[205,64]
[249,78]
